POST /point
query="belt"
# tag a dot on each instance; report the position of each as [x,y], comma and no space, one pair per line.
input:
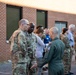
[21,62]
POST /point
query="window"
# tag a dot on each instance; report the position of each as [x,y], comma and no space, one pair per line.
[60,25]
[13,15]
[42,18]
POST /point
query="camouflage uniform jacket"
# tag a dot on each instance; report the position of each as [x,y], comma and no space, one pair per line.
[31,43]
[19,46]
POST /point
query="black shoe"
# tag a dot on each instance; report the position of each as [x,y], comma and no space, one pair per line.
[45,68]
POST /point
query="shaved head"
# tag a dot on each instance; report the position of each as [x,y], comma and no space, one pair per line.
[24,24]
[53,32]
[23,21]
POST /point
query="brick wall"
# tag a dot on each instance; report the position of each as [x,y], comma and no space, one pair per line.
[30,14]
[4,47]
[57,16]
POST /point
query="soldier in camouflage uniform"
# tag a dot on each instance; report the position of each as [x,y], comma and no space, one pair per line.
[66,58]
[19,54]
[31,42]
[29,55]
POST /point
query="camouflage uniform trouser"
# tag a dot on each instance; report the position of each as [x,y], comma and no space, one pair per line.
[23,68]
[20,69]
[21,65]
[67,61]
[71,55]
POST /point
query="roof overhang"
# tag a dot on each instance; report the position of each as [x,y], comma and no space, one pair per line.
[66,6]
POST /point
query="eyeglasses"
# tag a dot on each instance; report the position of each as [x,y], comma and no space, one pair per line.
[25,24]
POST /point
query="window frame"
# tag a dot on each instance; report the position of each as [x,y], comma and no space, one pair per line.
[46,17]
[20,17]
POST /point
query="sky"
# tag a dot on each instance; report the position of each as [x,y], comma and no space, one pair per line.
[66,6]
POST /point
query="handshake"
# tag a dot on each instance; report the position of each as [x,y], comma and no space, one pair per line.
[34,66]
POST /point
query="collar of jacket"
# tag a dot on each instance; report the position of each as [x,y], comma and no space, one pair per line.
[55,38]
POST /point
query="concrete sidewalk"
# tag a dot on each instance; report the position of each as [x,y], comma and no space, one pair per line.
[6,68]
